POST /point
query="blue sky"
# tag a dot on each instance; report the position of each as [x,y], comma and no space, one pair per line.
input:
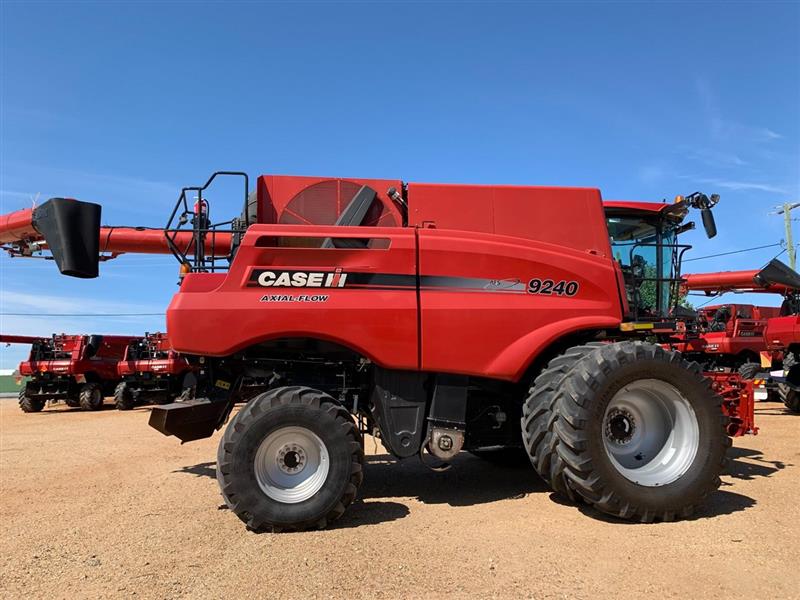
[123,103]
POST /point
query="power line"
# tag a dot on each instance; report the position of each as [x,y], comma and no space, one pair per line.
[733,252]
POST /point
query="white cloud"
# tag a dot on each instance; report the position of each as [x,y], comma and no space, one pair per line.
[741,185]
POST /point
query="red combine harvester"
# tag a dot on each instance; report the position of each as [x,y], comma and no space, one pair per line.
[78,369]
[783,348]
[729,336]
[439,318]
[151,371]
[781,336]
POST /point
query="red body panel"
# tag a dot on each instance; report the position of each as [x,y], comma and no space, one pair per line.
[544,214]
[380,323]
[627,205]
[782,333]
[466,274]
[168,363]
[494,328]
[72,358]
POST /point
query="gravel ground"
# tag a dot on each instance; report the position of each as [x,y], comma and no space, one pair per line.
[100,505]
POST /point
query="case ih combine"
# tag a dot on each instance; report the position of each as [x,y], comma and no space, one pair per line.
[151,371]
[439,318]
[728,336]
[781,334]
[78,369]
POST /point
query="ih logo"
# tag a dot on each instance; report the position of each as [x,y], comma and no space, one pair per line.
[297,279]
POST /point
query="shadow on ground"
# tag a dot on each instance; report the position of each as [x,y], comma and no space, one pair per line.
[754,464]
[472,481]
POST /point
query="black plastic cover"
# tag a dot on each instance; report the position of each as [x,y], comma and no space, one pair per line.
[71,229]
[777,273]
[400,400]
[190,420]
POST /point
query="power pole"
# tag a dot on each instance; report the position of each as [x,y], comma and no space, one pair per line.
[786,211]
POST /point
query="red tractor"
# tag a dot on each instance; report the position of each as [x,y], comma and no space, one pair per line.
[151,371]
[440,318]
[78,369]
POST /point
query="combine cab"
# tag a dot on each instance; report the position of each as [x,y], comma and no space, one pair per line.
[78,369]
[152,372]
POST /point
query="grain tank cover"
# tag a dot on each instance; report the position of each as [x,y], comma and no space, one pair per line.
[571,217]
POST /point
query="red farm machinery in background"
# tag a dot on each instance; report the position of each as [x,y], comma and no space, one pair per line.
[78,369]
[152,372]
[779,340]
[439,318]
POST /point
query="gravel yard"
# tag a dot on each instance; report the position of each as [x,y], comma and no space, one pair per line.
[101,505]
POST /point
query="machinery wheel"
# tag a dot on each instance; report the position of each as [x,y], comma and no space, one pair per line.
[504,457]
[788,396]
[749,370]
[629,427]
[28,404]
[292,458]
[123,399]
[72,402]
[91,396]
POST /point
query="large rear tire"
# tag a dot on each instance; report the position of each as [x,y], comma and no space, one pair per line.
[628,427]
[28,404]
[291,459]
[91,396]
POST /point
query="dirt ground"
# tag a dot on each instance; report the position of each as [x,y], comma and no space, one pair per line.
[100,505]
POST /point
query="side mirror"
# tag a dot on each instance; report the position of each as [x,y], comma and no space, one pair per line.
[708,222]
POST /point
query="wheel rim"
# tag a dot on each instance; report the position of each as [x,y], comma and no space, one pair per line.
[650,432]
[291,464]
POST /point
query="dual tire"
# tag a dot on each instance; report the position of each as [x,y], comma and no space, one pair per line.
[628,427]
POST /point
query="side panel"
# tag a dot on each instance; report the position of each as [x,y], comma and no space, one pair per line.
[568,217]
[362,298]
[480,315]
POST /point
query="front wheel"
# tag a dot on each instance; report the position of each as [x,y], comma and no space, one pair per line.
[291,459]
[28,404]
[628,427]
[123,398]
[91,396]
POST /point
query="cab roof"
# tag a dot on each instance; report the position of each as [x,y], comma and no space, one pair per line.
[676,210]
[651,207]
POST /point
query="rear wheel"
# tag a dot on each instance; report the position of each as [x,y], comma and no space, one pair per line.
[123,399]
[749,370]
[91,396]
[291,459]
[790,398]
[628,427]
[28,404]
